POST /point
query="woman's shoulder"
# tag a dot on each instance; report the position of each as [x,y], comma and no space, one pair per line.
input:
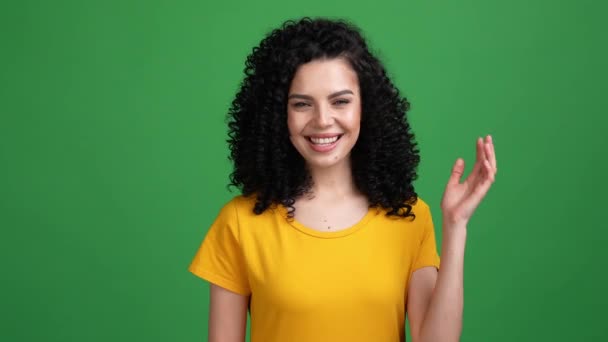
[420,205]
[416,206]
[241,201]
[243,206]
[237,204]
[421,209]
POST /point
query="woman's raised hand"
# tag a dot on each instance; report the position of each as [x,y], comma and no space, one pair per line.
[460,199]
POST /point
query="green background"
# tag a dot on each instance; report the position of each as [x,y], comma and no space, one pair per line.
[113,159]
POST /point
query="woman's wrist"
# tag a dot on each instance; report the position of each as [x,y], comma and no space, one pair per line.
[456,230]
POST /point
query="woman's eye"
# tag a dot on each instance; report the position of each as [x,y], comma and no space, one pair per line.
[300,104]
[341,102]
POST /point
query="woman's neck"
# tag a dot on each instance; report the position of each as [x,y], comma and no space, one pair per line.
[333,182]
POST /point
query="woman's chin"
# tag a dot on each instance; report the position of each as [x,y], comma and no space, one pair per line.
[324,162]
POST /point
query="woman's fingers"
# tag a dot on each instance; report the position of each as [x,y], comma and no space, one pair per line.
[489,151]
[481,186]
[484,170]
[489,172]
[457,171]
[478,167]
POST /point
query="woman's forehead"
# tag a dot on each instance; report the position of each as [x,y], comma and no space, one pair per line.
[324,77]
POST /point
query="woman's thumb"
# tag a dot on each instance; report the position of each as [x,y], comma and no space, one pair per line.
[457,171]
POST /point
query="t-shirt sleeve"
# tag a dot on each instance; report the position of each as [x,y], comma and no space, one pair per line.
[219,259]
[427,253]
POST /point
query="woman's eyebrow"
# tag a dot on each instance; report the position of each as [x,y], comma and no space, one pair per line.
[332,95]
[341,92]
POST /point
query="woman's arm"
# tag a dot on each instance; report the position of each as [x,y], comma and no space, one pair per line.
[435,300]
[227,315]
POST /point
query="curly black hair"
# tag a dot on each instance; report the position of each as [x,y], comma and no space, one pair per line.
[385,156]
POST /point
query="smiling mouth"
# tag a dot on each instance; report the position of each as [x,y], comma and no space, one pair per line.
[325,141]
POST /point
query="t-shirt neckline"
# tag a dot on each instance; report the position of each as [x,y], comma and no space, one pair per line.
[371,212]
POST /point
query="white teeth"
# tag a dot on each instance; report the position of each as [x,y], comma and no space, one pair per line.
[324,141]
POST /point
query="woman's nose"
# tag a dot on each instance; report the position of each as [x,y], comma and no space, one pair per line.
[323,117]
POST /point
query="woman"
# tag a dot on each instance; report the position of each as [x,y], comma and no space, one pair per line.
[329,240]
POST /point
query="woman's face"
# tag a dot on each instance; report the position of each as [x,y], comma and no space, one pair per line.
[324,111]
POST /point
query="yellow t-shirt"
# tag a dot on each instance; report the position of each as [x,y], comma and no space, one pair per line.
[307,285]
